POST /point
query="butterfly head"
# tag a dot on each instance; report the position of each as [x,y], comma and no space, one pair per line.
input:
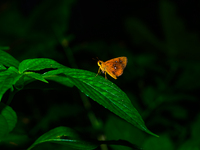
[99,63]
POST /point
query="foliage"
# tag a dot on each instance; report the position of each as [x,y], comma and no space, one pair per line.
[49,91]
[103,91]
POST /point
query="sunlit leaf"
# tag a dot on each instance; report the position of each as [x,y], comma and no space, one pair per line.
[105,93]
[36,76]
[7,60]
[65,136]
[38,64]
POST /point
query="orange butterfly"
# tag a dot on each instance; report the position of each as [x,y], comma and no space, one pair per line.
[113,67]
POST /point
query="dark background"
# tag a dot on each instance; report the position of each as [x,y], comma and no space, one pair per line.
[159,38]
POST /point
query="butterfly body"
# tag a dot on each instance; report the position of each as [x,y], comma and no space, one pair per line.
[114,67]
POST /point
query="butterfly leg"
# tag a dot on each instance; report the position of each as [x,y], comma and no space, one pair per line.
[105,76]
[99,71]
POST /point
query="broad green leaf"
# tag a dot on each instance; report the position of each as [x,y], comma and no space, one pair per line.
[38,64]
[7,79]
[8,60]
[36,76]
[65,136]
[10,116]
[105,93]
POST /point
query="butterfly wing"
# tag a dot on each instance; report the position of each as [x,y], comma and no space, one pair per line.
[115,67]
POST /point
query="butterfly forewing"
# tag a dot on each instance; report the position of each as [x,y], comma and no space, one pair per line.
[115,67]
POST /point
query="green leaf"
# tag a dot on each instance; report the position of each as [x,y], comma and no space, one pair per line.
[65,136]
[10,116]
[36,76]
[58,78]
[2,67]
[8,60]
[7,79]
[105,93]
[38,64]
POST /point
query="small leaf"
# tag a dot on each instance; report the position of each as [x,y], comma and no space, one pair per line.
[36,76]
[7,79]
[7,60]
[105,93]
[38,64]
[65,136]
[10,116]
[2,67]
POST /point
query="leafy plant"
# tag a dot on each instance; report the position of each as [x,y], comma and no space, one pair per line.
[15,76]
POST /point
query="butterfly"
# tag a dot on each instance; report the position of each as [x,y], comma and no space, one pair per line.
[114,67]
